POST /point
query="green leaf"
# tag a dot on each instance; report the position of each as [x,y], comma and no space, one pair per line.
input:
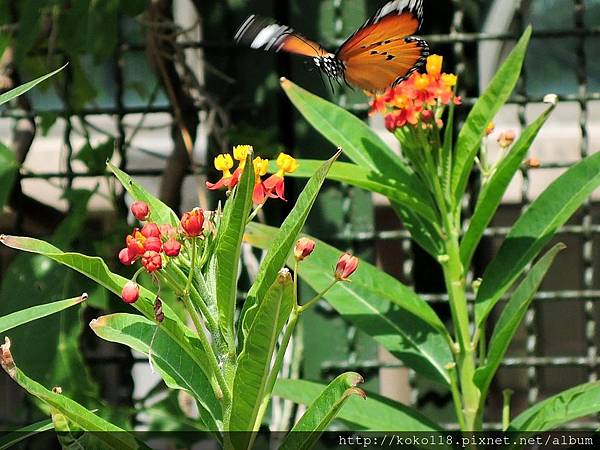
[511,317]
[8,173]
[112,436]
[559,409]
[95,157]
[343,129]
[403,189]
[379,305]
[11,439]
[322,411]
[534,229]
[492,193]
[282,243]
[36,312]
[177,368]
[20,90]
[254,362]
[482,113]
[229,246]
[376,413]
[95,269]
[159,212]
[421,231]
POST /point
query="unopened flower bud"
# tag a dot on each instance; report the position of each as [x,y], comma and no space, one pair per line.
[152,261]
[167,230]
[130,292]
[140,210]
[172,247]
[126,257]
[533,163]
[490,128]
[151,230]
[153,244]
[345,266]
[427,116]
[304,247]
[506,138]
[192,222]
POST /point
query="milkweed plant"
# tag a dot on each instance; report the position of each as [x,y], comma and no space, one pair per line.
[227,355]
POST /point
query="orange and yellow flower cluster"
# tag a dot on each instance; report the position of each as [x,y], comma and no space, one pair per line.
[418,99]
[272,187]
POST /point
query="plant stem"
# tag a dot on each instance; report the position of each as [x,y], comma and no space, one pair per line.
[455,285]
[188,285]
[316,298]
[506,396]
[455,390]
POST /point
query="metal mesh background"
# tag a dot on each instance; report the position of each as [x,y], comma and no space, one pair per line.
[532,368]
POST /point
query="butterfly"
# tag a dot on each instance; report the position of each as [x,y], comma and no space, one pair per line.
[380,54]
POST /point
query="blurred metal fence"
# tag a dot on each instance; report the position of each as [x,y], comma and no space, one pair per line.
[453,28]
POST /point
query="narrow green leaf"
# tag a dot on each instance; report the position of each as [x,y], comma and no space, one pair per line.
[254,362]
[95,269]
[488,104]
[159,212]
[112,436]
[343,129]
[176,367]
[511,317]
[421,231]
[534,229]
[405,190]
[37,312]
[282,243]
[322,411]
[13,438]
[379,305]
[376,413]
[8,173]
[559,409]
[20,90]
[492,193]
[229,246]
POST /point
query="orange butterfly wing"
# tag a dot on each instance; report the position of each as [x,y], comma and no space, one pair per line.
[266,34]
[382,53]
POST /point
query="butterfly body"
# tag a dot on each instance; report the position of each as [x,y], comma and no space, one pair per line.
[378,55]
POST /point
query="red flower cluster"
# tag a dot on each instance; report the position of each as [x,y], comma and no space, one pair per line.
[150,243]
[418,99]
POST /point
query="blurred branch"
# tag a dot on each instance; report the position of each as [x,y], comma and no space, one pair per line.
[161,47]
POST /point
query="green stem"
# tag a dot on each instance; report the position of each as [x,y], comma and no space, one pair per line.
[316,298]
[289,331]
[455,284]
[255,212]
[455,390]
[212,359]
[188,285]
[506,396]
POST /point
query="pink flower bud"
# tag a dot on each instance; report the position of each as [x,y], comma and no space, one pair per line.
[345,266]
[130,292]
[153,244]
[506,138]
[167,230]
[126,257]
[172,247]
[151,230]
[304,247]
[427,116]
[140,210]
[152,261]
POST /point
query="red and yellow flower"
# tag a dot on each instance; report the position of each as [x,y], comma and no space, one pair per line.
[409,102]
[275,184]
